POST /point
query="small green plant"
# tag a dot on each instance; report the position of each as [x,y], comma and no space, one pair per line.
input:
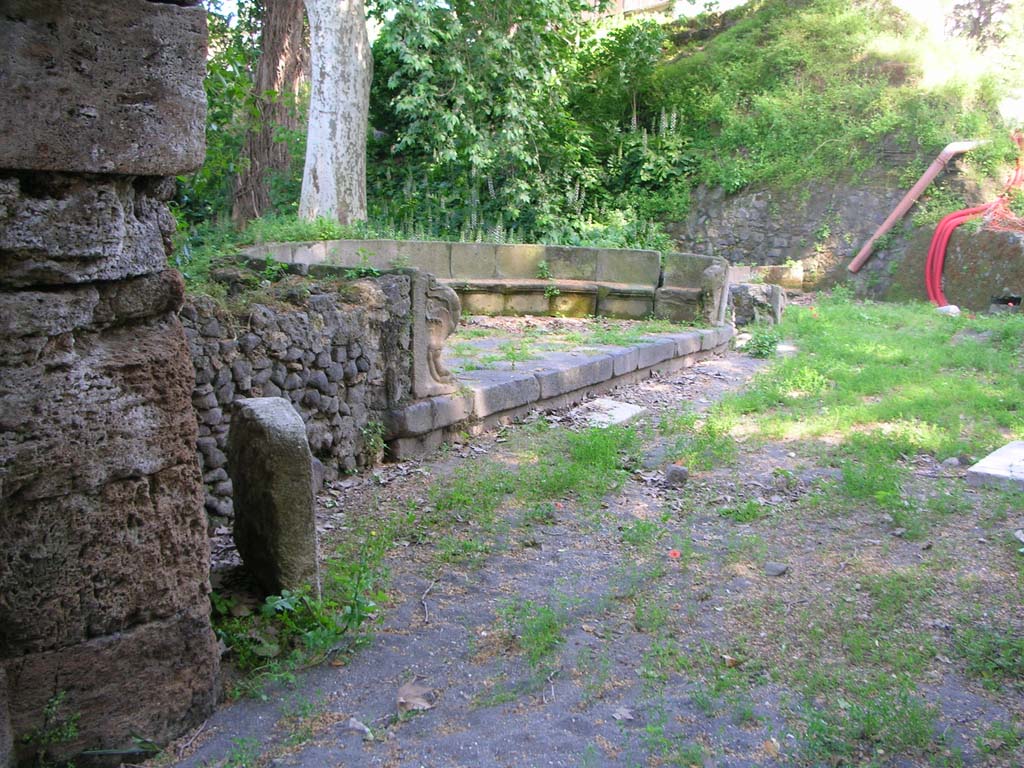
[536,628]
[58,727]
[747,512]
[273,270]
[552,292]
[364,268]
[642,534]
[764,339]
[544,271]
[244,753]
[373,442]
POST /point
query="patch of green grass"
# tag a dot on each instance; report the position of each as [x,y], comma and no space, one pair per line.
[703,441]
[537,629]
[746,512]
[244,753]
[642,534]
[650,613]
[459,550]
[1000,738]
[993,654]
[863,718]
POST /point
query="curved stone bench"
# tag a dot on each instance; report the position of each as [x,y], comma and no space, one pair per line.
[538,279]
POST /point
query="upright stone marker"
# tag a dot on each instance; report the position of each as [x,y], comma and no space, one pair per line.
[271,471]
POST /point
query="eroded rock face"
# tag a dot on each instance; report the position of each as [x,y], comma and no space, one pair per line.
[58,228]
[271,470]
[102,87]
[103,549]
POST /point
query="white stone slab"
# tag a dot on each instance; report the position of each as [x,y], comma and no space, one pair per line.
[1004,468]
[605,412]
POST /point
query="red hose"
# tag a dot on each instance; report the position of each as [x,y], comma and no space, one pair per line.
[944,231]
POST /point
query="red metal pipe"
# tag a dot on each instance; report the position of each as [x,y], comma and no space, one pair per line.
[951,151]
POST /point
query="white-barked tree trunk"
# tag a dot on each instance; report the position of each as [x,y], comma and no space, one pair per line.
[334,179]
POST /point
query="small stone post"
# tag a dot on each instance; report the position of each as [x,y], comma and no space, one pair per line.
[271,471]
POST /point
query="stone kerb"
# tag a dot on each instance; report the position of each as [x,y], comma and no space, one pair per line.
[490,396]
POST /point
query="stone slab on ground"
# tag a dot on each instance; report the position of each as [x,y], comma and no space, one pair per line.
[606,412]
[1002,468]
[271,470]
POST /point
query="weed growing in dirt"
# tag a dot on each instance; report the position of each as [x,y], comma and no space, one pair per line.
[993,654]
[537,629]
[703,441]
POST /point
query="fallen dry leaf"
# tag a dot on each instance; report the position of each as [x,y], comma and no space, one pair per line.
[730,661]
[623,713]
[413,698]
[771,747]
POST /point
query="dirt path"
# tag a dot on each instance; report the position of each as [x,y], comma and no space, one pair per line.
[668,637]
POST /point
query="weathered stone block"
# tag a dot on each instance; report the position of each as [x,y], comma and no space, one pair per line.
[157,679]
[101,87]
[654,353]
[482,303]
[414,419]
[520,261]
[571,263]
[628,307]
[687,343]
[629,267]
[757,303]
[428,256]
[567,304]
[496,391]
[474,260]
[451,409]
[680,305]
[567,373]
[271,470]
[624,360]
[70,229]
[527,304]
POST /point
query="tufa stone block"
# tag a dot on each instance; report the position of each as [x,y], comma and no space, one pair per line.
[102,87]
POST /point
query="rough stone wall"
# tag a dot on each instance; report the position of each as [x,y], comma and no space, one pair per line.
[342,360]
[103,549]
[820,225]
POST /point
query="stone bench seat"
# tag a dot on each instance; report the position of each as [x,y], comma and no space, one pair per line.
[574,298]
[507,279]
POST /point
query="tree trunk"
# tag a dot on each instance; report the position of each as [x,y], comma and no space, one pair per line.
[283,68]
[334,181]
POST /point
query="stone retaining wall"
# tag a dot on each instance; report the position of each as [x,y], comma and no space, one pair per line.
[342,359]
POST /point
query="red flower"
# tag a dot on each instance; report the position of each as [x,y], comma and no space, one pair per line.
[674,554]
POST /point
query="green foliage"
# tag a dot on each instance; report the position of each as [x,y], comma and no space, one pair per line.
[234,43]
[993,654]
[58,727]
[795,91]
[763,341]
[536,628]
